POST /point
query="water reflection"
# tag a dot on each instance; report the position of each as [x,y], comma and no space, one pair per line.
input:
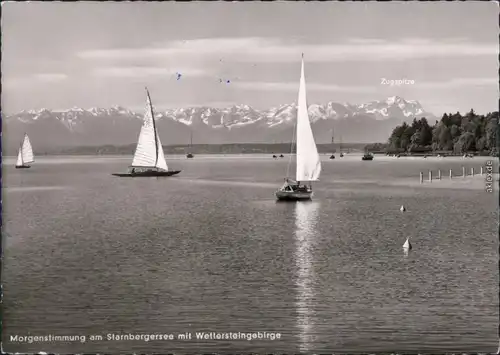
[306,217]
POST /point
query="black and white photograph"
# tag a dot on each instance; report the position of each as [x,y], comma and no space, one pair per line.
[250,177]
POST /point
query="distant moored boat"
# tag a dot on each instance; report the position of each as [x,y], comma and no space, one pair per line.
[367,156]
[25,155]
[190,154]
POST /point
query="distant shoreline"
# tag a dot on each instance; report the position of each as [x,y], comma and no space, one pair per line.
[229,148]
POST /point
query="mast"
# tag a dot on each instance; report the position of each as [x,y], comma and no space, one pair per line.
[333,140]
[154,125]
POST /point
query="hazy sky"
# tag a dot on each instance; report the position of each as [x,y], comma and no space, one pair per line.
[60,55]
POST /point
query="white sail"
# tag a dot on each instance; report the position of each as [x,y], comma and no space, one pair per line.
[25,154]
[27,151]
[20,157]
[149,151]
[308,160]
[161,163]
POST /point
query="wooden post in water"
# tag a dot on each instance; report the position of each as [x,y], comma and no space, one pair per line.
[451,174]
[472,171]
[463,171]
[430,175]
[439,174]
[421,177]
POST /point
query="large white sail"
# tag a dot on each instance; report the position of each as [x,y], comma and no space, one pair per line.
[149,151]
[308,160]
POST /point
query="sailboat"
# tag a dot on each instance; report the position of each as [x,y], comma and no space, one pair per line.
[308,167]
[25,155]
[190,154]
[149,159]
[340,147]
[333,145]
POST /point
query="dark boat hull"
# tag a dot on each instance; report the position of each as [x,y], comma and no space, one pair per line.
[148,173]
[294,195]
[23,167]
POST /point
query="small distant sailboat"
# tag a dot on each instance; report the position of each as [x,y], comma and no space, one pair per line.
[282,156]
[25,155]
[340,147]
[308,163]
[190,154]
[149,159]
[407,245]
[403,208]
[333,154]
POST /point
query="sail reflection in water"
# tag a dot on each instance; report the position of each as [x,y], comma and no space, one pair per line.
[306,216]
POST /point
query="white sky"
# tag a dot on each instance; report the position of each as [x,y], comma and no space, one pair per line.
[84,54]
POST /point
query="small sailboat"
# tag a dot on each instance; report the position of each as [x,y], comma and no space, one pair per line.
[282,156]
[333,154]
[190,154]
[149,159]
[340,147]
[25,155]
[308,164]
[402,208]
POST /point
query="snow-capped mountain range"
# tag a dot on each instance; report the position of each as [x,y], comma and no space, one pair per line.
[369,122]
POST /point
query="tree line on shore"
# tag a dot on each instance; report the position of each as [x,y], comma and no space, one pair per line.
[454,134]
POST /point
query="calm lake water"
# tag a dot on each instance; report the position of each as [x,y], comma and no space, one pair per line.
[210,250]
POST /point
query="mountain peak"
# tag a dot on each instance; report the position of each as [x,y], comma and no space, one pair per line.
[367,122]
[392,107]
[395,100]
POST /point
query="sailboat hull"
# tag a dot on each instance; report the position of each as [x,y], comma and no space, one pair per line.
[294,195]
[23,166]
[148,173]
